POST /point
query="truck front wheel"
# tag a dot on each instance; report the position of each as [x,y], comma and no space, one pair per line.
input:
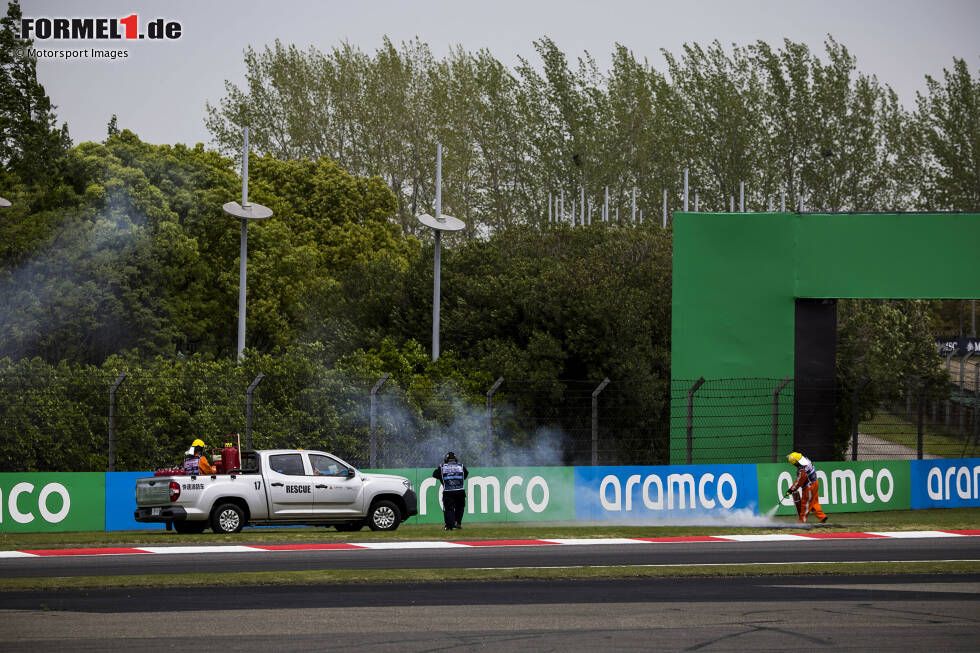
[384,516]
[227,518]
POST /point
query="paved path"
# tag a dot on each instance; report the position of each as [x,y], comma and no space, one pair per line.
[872,448]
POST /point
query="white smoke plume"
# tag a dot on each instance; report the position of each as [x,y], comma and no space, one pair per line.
[410,438]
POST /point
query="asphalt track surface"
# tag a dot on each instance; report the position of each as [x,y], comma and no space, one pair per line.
[880,613]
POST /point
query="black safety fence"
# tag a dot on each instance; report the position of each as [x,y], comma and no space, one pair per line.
[926,427]
[757,420]
[731,420]
[61,420]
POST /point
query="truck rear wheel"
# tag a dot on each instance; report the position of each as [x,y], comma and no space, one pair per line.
[384,516]
[227,518]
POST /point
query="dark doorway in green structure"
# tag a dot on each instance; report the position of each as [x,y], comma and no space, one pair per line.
[815,369]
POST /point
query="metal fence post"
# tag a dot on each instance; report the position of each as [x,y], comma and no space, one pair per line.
[112,421]
[490,393]
[947,402]
[854,416]
[248,409]
[908,404]
[775,418]
[922,401]
[690,418]
[976,402]
[595,421]
[374,419]
[961,408]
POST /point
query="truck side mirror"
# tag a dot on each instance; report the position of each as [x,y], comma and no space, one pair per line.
[350,473]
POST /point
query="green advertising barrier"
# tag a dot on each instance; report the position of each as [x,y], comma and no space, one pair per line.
[501,494]
[844,486]
[52,502]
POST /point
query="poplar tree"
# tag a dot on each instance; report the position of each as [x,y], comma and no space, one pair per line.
[31,143]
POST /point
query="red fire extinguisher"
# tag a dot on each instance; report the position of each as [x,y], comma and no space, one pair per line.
[229,457]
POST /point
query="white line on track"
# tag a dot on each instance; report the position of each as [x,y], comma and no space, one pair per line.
[914,534]
[410,545]
[608,540]
[200,549]
[779,537]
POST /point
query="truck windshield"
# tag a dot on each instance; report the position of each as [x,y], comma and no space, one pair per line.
[327,466]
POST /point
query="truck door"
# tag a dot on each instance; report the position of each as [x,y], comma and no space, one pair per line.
[337,487]
[290,488]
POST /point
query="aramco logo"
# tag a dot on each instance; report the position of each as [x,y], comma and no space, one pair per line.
[964,480]
[682,491]
[42,502]
[845,486]
[484,494]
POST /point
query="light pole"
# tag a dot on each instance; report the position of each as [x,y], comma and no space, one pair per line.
[439,223]
[245,211]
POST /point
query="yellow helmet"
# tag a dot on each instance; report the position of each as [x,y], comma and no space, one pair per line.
[794,458]
[198,443]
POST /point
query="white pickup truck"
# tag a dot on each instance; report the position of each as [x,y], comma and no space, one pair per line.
[278,487]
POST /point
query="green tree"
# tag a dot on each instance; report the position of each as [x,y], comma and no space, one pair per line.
[832,130]
[948,131]
[31,143]
[545,310]
[32,149]
[486,180]
[146,260]
[564,110]
[891,344]
[720,96]
[644,133]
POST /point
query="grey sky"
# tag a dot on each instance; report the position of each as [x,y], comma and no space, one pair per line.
[160,89]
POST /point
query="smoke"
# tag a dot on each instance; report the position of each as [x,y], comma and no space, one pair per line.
[684,511]
[448,422]
[739,518]
[65,296]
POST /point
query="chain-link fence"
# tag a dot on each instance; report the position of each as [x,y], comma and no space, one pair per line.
[918,426]
[752,420]
[731,420]
[62,421]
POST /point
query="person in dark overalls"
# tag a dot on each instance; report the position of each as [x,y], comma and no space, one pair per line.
[452,474]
